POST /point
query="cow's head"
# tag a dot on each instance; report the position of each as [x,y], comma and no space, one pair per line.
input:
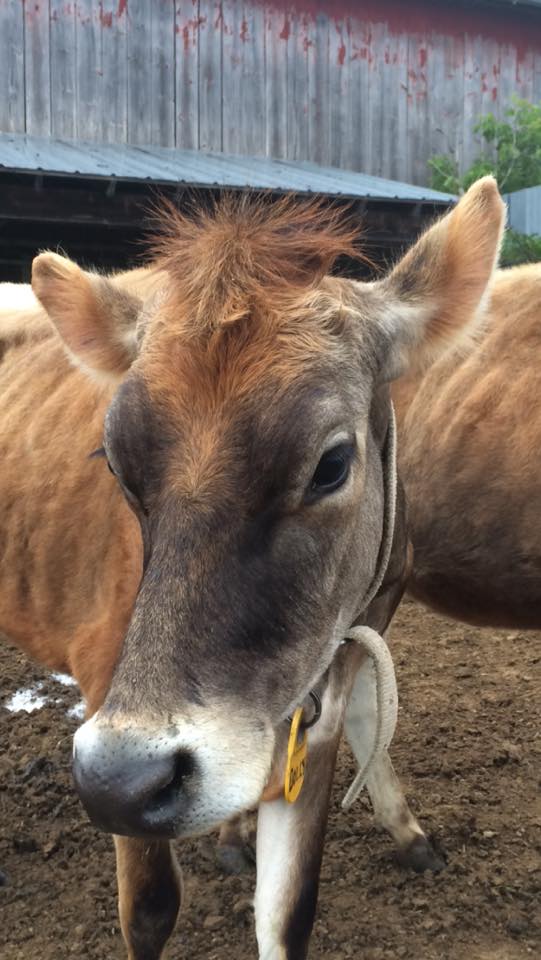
[246,433]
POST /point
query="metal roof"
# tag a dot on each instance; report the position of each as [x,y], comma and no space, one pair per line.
[162,165]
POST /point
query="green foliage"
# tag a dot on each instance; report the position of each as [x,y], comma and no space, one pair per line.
[512,153]
[445,175]
[520,248]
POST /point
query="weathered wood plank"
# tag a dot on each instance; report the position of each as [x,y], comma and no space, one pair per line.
[395,106]
[12,101]
[37,69]
[525,74]
[448,135]
[162,57]
[400,167]
[321,95]
[433,64]
[353,103]
[251,105]
[298,92]
[187,74]
[419,112]
[277,29]
[507,87]
[211,29]
[472,98]
[89,71]
[63,69]
[360,74]
[234,121]
[376,104]
[114,71]
[139,72]
[340,73]
[536,94]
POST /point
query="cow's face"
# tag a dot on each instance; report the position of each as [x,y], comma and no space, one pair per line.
[247,436]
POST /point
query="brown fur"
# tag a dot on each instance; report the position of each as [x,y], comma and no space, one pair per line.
[225,326]
[470,442]
[55,600]
[242,257]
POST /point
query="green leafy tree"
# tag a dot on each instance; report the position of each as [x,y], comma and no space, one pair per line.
[512,153]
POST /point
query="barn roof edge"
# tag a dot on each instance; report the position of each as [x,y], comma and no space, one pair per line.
[20,153]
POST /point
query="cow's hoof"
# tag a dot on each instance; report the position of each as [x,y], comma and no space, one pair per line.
[422,855]
[235,858]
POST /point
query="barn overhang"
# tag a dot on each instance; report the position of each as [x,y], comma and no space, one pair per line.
[93,200]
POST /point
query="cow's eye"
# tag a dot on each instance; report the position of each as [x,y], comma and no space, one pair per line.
[333,469]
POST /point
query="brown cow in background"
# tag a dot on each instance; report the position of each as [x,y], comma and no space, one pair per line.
[470,459]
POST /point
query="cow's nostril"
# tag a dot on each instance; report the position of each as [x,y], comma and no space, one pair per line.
[128,788]
[183,767]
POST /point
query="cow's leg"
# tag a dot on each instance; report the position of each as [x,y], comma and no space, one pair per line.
[390,806]
[289,850]
[235,853]
[149,895]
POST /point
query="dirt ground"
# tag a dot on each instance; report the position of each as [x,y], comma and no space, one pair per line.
[467,748]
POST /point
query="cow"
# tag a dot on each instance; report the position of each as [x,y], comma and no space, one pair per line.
[470,435]
[200,589]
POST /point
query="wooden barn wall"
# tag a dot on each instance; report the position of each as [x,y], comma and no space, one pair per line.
[371,86]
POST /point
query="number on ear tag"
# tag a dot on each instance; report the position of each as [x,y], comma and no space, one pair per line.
[297,749]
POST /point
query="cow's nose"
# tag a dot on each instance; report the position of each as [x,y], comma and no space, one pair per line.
[131,784]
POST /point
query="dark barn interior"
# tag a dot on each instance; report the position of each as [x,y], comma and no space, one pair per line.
[103,223]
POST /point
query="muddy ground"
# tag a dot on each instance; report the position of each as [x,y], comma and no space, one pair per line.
[468,750]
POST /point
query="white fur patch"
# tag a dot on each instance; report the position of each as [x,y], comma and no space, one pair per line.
[276,853]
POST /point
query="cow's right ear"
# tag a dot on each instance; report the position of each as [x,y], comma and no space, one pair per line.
[95,319]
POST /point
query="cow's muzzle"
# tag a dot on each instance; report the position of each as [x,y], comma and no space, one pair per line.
[133,784]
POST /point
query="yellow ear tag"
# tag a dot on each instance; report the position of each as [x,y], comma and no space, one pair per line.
[297,749]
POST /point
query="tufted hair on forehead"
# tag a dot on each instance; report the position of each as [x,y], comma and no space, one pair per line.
[246,255]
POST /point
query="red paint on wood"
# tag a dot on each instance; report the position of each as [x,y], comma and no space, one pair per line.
[122,7]
[106,19]
[341,54]
[422,57]
[519,28]
[286,30]
[244,31]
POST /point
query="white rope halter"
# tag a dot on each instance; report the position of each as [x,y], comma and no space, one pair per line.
[386,704]
[371,641]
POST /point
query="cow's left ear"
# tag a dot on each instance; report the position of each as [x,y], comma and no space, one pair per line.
[435,294]
[95,319]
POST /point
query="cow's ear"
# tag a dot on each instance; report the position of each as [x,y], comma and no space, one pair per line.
[436,293]
[96,320]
